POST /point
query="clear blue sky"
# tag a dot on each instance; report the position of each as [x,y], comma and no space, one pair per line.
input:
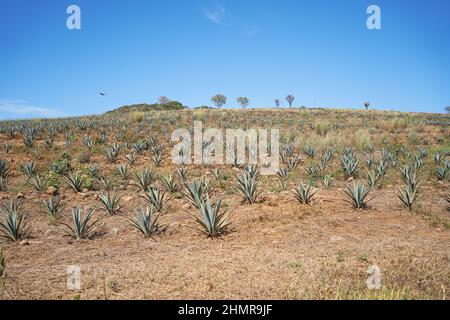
[188,50]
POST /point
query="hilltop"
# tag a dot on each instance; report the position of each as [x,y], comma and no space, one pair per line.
[145,107]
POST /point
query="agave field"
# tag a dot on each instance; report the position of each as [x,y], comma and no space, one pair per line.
[355,189]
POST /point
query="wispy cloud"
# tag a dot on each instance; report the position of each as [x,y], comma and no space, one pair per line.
[250,31]
[216,15]
[22,109]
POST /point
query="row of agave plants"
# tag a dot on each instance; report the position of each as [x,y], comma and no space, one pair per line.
[349,162]
[212,218]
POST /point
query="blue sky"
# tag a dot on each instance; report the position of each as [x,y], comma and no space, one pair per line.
[189,50]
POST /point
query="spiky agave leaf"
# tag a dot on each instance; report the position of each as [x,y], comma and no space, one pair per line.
[304,193]
[74,181]
[28,169]
[146,222]
[282,176]
[4,168]
[80,228]
[144,178]
[169,184]
[212,221]
[111,202]
[409,195]
[53,207]
[357,195]
[38,183]
[14,224]
[248,188]
[156,198]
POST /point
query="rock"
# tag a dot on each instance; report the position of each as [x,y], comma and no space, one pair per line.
[52,191]
[336,238]
[127,199]
[20,195]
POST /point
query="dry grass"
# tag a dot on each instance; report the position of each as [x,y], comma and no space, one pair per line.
[276,249]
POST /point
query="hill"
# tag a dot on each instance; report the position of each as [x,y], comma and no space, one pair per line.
[145,107]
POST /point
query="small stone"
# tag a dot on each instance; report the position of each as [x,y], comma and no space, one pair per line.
[85,191]
[127,199]
[24,243]
[336,238]
[350,179]
[114,231]
[20,195]
[52,191]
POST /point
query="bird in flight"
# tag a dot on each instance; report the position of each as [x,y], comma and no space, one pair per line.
[102,94]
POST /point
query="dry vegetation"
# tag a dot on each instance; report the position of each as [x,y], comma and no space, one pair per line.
[356,188]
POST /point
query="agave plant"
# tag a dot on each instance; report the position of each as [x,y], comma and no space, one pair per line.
[38,183]
[409,195]
[441,173]
[327,156]
[381,168]
[81,227]
[212,220]
[197,191]
[310,151]
[406,172]
[146,222]
[28,169]
[94,171]
[111,154]
[304,193]
[4,168]
[88,142]
[282,176]
[357,195]
[248,187]
[74,181]
[156,198]
[131,158]
[53,207]
[169,184]
[182,173]
[349,165]
[111,202]
[123,172]
[8,147]
[292,162]
[327,181]
[144,179]
[14,225]
[252,170]
[106,183]
[372,178]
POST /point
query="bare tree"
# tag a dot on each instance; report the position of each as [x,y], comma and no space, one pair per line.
[243,101]
[290,99]
[367,105]
[219,100]
[447,109]
[163,100]
[277,103]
